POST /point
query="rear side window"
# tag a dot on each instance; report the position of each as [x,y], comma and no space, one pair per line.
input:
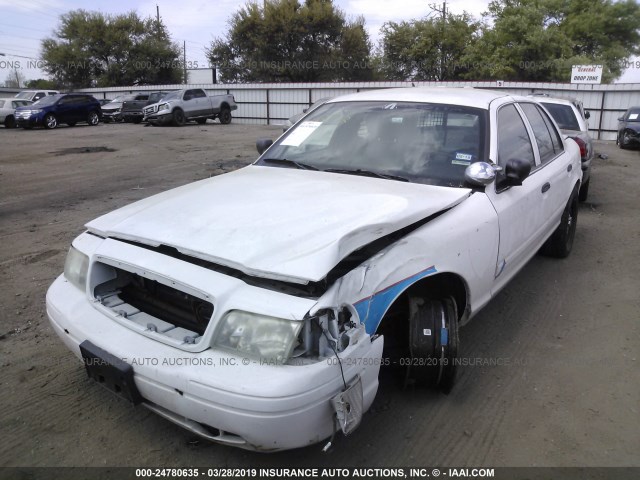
[540,132]
[564,116]
[513,138]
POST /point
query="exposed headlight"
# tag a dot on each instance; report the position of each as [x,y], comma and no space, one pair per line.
[76,267]
[258,336]
[164,106]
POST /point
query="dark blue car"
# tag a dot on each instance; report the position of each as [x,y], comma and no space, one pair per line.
[629,128]
[53,110]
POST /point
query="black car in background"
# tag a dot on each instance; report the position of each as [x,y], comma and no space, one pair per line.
[53,110]
[629,128]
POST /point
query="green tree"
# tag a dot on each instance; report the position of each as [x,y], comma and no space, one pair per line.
[539,40]
[41,84]
[94,49]
[427,49]
[289,41]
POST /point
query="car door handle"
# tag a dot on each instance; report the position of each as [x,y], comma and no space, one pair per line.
[569,167]
[546,187]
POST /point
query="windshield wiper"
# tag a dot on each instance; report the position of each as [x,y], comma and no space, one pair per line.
[367,173]
[286,161]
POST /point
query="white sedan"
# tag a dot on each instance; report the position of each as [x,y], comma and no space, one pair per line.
[256,308]
[8,110]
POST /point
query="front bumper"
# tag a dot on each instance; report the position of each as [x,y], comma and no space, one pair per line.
[30,121]
[225,398]
[108,116]
[160,119]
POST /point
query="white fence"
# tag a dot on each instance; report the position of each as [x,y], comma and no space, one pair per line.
[273,103]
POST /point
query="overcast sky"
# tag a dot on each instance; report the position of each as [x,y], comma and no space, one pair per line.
[23,23]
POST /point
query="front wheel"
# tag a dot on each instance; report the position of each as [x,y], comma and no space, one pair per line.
[225,116]
[179,118]
[433,343]
[9,122]
[50,121]
[561,241]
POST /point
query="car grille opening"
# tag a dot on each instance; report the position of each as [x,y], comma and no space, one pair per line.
[153,305]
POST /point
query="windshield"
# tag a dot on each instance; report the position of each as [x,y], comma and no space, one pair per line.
[172,95]
[48,100]
[634,115]
[564,116]
[21,103]
[420,142]
[26,95]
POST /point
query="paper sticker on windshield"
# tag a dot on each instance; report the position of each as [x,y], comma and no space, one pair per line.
[462,159]
[300,134]
[633,116]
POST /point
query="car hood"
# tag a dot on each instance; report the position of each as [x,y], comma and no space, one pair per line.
[112,105]
[279,223]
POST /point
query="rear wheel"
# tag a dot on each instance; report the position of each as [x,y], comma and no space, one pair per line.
[179,118]
[225,116]
[584,192]
[93,118]
[433,343]
[560,243]
[50,121]
[10,122]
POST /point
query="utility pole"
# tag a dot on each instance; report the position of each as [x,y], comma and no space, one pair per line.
[184,60]
[442,35]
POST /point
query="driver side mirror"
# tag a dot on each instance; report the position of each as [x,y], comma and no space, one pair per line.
[262,144]
[516,171]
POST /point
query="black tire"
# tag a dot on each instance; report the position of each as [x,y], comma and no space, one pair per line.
[93,119]
[178,118]
[71,124]
[10,122]
[621,141]
[137,120]
[561,241]
[433,356]
[201,121]
[50,121]
[584,191]
[225,116]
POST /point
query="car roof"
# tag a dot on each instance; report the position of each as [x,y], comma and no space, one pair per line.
[559,101]
[464,96]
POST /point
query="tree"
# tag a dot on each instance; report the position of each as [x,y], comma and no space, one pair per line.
[41,84]
[427,49]
[286,41]
[15,79]
[94,49]
[539,40]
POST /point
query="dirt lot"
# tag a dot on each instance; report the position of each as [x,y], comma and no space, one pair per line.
[565,335]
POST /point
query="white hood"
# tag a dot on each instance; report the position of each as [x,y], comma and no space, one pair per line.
[277,223]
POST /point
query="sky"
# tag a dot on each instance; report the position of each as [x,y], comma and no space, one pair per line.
[194,23]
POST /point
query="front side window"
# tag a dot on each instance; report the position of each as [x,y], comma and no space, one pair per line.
[513,138]
[419,142]
[633,115]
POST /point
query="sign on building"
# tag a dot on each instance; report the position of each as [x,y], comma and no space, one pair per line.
[586,74]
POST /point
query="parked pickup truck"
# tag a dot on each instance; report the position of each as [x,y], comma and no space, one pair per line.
[132,110]
[181,106]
